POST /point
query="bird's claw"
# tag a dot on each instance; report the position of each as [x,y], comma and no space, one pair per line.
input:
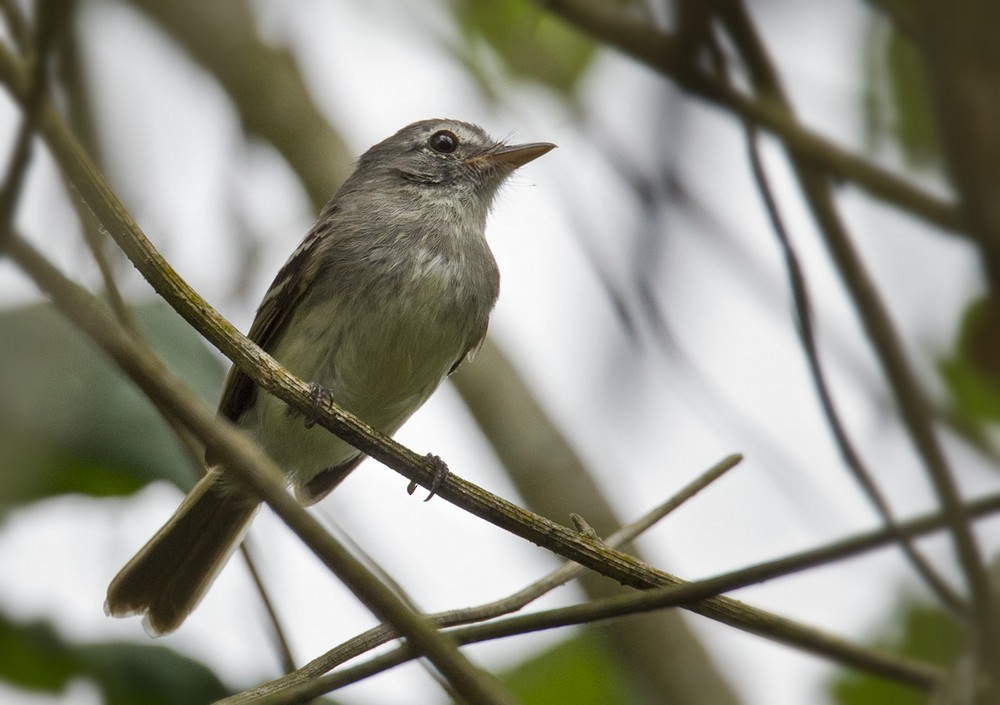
[441,473]
[319,396]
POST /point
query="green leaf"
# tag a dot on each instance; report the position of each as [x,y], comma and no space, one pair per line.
[531,43]
[35,657]
[897,104]
[972,372]
[920,632]
[70,421]
[577,671]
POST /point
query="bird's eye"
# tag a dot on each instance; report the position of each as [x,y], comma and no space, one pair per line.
[444,141]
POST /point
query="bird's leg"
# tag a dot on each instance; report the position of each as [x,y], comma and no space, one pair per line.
[441,473]
[320,395]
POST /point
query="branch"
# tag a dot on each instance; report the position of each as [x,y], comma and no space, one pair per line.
[269,375]
[554,480]
[253,467]
[376,636]
[307,682]
[850,455]
[958,44]
[223,38]
[899,669]
[920,675]
[47,25]
[907,671]
[659,52]
[910,400]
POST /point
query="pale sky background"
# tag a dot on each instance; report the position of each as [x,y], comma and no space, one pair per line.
[644,426]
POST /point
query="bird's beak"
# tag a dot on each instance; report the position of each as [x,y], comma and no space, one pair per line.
[514,156]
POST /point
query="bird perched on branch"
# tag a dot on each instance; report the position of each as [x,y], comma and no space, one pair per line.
[389,293]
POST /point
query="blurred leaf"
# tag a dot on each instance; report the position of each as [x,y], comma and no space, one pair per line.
[897,104]
[531,43]
[914,120]
[920,632]
[264,82]
[35,657]
[972,373]
[575,672]
[70,421]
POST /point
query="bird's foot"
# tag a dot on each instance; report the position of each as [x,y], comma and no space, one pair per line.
[441,473]
[319,395]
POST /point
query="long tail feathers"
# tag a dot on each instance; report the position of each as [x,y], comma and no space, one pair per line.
[167,578]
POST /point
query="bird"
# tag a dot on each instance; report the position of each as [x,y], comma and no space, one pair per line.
[388,293]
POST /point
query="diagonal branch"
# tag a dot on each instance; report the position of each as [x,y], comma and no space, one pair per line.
[269,375]
[850,455]
[910,399]
[298,688]
[48,23]
[252,466]
[659,51]
[376,636]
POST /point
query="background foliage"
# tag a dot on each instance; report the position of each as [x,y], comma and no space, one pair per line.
[657,211]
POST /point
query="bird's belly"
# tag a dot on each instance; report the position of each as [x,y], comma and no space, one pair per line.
[381,368]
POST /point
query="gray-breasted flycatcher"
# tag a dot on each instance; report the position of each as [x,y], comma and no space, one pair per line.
[388,293]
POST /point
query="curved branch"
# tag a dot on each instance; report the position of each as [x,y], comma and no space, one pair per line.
[849,454]
[222,37]
[553,480]
[910,399]
[376,636]
[272,377]
[250,465]
[309,683]
[659,52]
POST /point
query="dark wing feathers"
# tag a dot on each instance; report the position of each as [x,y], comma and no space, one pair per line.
[289,286]
[470,352]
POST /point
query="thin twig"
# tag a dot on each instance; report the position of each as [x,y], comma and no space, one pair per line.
[42,38]
[249,464]
[269,375]
[384,633]
[659,51]
[910,400]
[807,337]
[293,690]
[850,455]
[247,550]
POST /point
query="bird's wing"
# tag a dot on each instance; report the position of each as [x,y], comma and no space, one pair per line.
[289,286]
[470,352]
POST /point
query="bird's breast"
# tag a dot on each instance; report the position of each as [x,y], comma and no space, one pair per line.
[414,319]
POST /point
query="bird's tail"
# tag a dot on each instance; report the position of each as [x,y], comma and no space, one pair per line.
[167,578]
